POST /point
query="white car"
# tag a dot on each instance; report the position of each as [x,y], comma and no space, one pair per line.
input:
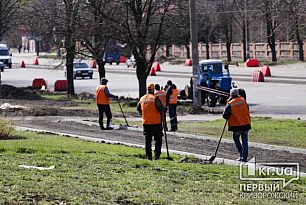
[5,55]
[82,70]
[131,62]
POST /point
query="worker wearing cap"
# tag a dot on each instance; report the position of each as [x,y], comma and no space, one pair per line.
[171,100]
[103,103]
[151,108]
[239,122]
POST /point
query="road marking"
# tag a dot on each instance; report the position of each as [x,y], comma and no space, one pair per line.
[282,97]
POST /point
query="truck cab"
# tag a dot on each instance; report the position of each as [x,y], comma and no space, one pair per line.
[5,56]
[212,76]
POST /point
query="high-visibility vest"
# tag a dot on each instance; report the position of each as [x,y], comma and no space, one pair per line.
[101,97]
[150,114]
[162,96]
[240,114]
[173,96]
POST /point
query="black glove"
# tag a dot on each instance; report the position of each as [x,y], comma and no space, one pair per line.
[116,97]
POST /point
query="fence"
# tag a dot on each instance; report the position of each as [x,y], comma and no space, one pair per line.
[284,50]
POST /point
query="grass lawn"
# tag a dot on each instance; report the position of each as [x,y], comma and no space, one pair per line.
[93,173]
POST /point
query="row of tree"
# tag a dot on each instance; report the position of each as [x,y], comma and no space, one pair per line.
[143,24]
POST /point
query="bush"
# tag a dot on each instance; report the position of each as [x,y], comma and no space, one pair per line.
[6,129]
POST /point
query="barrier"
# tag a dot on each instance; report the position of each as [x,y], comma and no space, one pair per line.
[22,65]
[36,61]
[93,64]
[252,62]
[122,59]
[258,76]
[38,83]
[266,71]
[153,72]
[188,62]
[60,85]
[157,66]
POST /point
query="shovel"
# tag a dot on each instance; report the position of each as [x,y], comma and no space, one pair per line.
[212,158]
[127,124]
[165,133]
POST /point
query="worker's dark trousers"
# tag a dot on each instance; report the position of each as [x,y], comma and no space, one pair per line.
[106,109]
[173,117]
[156,131]
[244,148]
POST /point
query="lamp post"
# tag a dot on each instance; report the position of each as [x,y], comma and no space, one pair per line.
[195,53]
[246,30]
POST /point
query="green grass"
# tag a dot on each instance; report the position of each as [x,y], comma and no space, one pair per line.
[93,173]
[264,130]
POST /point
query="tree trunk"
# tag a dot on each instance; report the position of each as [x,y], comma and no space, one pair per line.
[207,50]
[69,66]
[245,58]
[271,42]
[299,40]
[142,76]
[228,51]
[101,68]
[187,51]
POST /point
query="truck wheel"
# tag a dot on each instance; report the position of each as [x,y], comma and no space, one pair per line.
[118,63]
[10,66]
[111,63]
[211,100]
[90,76]
[222,100]
[2,69]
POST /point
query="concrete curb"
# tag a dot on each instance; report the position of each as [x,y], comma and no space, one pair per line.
[91,139]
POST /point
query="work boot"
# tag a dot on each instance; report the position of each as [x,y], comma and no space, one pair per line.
[149,157]
[109,128]
[103,128]
[156,157]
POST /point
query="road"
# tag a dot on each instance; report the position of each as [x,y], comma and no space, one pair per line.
[283,94]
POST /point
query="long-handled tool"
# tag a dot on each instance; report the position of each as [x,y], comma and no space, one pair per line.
[127,124]
[165,133]
[212,158]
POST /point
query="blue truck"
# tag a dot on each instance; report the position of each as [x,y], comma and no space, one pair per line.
[112,55]
[215,85]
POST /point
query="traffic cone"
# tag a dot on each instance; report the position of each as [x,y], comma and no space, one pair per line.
[94,64]
[153,71]
[22,65]
[157,66]
[36,61]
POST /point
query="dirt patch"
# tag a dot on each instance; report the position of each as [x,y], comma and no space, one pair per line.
[11,92]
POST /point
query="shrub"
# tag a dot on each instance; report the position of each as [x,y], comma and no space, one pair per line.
[6,129]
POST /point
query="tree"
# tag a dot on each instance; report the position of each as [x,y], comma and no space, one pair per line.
[10,11]
[142,22]
[294,11]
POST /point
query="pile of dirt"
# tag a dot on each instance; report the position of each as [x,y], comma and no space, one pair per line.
[11,92]
[86,96]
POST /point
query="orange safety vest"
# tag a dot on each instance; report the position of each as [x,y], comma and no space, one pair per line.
[173,96]
[101,97]
[150,114]
[240,112]
[162,96]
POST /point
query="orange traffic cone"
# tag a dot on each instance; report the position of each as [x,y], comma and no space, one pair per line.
[153,71]
[94,64]
[157,66]
[22,65]
[36,61]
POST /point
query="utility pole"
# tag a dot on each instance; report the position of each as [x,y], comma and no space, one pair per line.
[246,29]
[195,53]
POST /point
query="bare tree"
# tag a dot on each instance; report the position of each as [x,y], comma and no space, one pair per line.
[10,12]
[142,22]
[295,9]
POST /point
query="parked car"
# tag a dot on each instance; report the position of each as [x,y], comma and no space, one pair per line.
[5,55]
[1,66]
[131,62]
[82,70]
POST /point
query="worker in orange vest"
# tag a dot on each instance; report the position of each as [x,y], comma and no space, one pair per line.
[239,122]
[151,108]
[103,103]
[171,100]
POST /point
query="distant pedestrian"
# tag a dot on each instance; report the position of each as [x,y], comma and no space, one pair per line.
[103,103]
[19,48]
[171,99]
[151,108]
[239,122]
[161,94]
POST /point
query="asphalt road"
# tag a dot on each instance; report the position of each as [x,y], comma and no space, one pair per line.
[282,94]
